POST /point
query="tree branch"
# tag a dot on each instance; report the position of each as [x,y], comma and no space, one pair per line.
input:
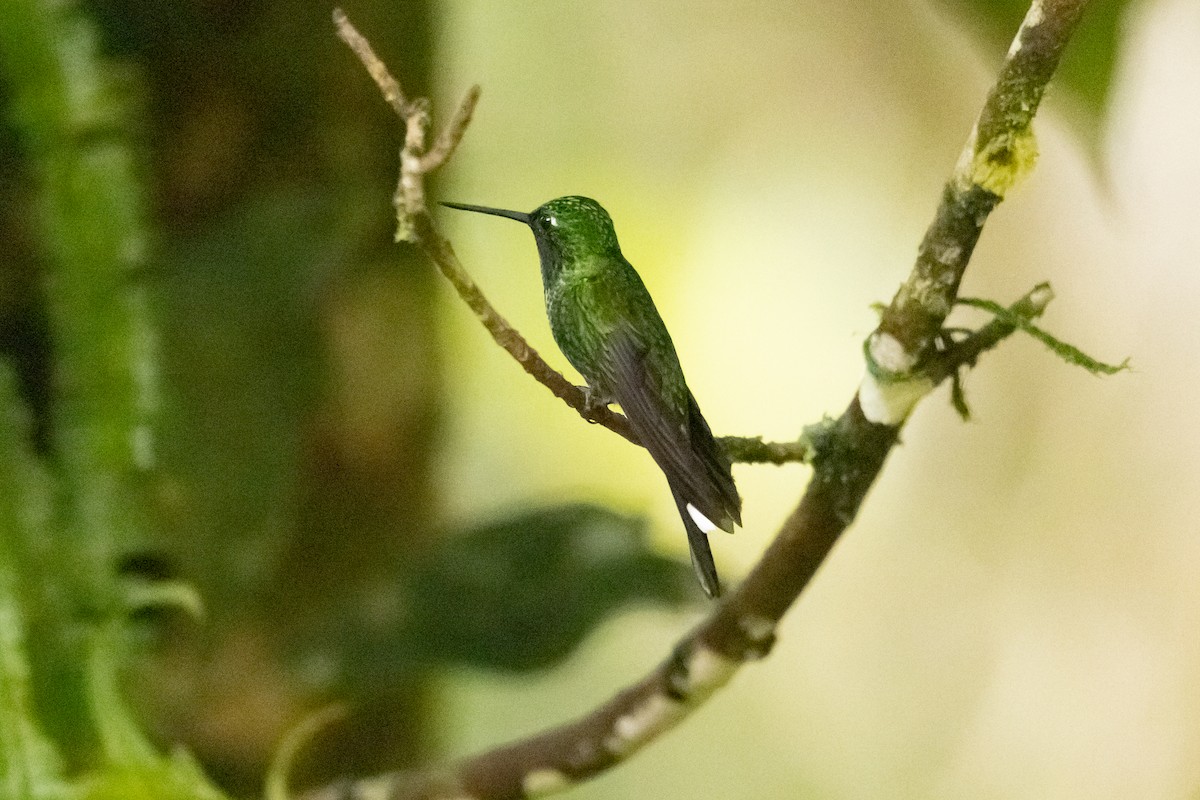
[903,364]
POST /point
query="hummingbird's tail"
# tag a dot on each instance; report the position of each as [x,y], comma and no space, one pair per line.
[702,558]
[680,442]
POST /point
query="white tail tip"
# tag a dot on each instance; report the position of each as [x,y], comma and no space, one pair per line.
[702,522]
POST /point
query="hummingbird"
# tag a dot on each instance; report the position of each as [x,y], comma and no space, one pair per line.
[608,327]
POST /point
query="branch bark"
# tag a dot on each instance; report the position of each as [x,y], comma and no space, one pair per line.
[904,364]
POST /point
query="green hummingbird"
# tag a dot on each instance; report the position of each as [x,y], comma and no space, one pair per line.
[607,326]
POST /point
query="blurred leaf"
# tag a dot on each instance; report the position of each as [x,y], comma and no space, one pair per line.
[517,594]
[75,120]
[522,592]
[1086,71]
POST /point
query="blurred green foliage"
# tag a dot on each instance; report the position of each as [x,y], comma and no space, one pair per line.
[514,594]
[72,518]
[520,593]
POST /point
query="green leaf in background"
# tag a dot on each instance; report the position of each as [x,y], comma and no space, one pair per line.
[73,115]
[177,777]
[516,594]
[1086,72]
[522,592]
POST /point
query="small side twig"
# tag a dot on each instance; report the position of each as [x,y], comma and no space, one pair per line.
[967,351]
[756,450]
[393,95]
[452,134]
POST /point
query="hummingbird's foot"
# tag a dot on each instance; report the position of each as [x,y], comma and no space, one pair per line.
[594,401]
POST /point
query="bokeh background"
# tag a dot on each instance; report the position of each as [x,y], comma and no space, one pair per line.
[379,507]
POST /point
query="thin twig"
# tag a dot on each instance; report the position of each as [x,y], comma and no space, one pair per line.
[453,133]
[414,223]
[967,351]
[388,86]
[847,455]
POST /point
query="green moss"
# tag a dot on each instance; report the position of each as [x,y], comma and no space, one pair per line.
[1000,163]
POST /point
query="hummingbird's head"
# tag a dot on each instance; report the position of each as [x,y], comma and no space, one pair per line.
[567,229]
[573,227]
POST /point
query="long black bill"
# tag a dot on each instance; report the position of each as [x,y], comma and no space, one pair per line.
[495,212]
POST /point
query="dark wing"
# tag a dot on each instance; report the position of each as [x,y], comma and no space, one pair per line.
[664,415]
[670,426]
[716,463]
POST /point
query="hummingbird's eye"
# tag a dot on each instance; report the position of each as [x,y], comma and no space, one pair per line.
[552,222]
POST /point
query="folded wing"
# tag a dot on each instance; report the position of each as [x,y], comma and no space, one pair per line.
[667,420]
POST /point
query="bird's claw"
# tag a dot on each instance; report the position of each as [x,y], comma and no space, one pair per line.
[594,402]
